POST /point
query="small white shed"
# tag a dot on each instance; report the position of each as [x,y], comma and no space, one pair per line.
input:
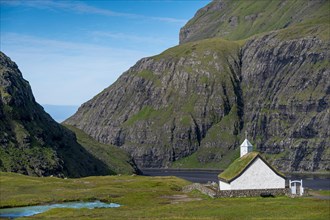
[250,171]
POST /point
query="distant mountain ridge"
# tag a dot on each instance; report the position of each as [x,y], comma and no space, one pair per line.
[32,143]
[190,105]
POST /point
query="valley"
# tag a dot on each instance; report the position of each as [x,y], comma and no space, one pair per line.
[256,70]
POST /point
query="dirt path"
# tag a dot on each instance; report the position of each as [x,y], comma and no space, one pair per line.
[174,199]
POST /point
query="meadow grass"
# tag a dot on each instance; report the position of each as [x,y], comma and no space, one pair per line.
[147,198]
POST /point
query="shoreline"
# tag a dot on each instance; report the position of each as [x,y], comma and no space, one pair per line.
[321,173]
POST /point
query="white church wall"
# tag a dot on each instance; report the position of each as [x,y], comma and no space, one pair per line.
[224,185]
[258,176]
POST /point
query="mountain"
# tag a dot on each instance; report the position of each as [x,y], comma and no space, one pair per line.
[260,67]
[31,142]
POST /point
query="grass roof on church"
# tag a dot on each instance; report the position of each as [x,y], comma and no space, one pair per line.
[237,167]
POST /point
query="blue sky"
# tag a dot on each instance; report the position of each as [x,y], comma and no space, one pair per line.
[71,50]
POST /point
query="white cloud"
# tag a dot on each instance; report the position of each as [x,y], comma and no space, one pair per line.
[66,73]
[81,7]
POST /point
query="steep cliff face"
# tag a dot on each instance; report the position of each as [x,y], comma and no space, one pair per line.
[235,20]
[31,142]
[190,105]
[286,92]
[163,107]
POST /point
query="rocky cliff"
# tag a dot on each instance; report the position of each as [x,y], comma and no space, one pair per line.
[286,92]
[31,142]
[161,109]
[190,105]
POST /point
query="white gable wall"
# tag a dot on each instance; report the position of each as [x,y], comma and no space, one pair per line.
[224,185]
[258,176]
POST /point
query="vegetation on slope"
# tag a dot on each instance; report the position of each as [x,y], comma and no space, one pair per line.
[149,198]
[115,158]
[235,20]
[194,160]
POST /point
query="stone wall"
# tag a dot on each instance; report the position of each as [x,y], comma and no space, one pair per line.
[253,192]
[213,191]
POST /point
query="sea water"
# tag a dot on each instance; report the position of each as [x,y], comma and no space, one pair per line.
[33,210]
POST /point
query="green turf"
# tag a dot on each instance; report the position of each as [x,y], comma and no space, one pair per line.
[147,198]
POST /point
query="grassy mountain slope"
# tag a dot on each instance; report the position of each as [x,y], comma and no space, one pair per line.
[234,20]
[190,105]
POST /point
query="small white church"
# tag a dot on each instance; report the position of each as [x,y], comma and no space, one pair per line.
[250,171]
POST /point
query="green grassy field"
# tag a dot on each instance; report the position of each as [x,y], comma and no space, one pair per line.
[148,198]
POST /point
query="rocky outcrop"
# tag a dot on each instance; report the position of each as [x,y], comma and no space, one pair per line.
[31,142]
[198,98]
